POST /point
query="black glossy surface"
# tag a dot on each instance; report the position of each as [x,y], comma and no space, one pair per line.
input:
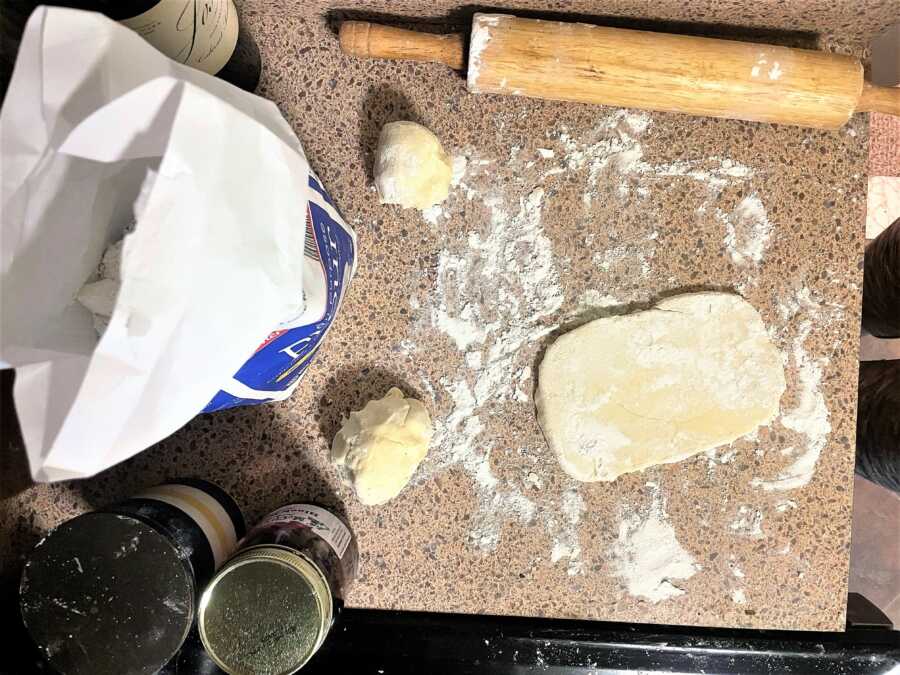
[105,594]
[388,643]
[391,643]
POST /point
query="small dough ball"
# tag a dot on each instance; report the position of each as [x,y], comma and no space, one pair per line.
[382,444]
[624,393]
[411,167]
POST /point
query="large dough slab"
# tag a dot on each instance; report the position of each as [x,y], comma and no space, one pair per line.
[623,393]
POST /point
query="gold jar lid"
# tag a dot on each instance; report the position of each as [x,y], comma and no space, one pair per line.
[267,610]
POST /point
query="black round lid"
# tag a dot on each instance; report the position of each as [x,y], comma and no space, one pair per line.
[105,593]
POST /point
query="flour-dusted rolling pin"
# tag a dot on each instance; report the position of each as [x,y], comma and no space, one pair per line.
[639,69]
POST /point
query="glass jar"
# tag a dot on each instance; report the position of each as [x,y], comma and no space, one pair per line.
[115,591]
[270,607]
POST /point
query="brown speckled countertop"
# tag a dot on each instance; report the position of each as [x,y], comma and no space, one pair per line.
[492,524]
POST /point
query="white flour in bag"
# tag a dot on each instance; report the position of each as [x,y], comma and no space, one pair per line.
[157,343]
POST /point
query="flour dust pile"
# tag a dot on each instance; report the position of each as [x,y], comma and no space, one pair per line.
[648,558]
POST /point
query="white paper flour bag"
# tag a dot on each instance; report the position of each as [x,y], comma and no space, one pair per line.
[229,281]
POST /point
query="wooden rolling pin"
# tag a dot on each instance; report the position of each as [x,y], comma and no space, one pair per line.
[639,69]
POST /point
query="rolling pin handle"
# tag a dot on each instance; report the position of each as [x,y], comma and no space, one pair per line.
[879,99]
[373,41]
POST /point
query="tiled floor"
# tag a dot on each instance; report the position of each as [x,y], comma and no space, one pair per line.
[884,173]
[875,546]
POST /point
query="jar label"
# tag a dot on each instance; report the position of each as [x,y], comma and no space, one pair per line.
[201,34]
[321,521]
[203,509]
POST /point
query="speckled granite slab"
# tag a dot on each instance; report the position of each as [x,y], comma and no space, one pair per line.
[565,212]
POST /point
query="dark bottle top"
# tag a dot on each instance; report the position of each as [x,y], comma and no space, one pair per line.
[204,34]
[270,607]
[115,591]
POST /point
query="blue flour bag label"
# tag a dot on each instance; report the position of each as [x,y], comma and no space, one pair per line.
[329,262]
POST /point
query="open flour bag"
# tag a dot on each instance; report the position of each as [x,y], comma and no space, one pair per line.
[233,267]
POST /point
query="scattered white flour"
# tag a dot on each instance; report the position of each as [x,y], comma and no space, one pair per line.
[803,302]
[637,121]
[785,505]
[572,505]
[67,607]
[473,360]
[638,255]
[624,153]
[495,505]
[648,557]
[562,550]
[594,299]
[482,302]
[715,458]
[465,329]
[533,481]
[748,523]
[617,157]
[478,42]
[738,596]
[522,394]
[497,294]
[406,346]
[566,543]
[760,64]
[433,214]
[809,418]
[747,230]
[458,169]
[426,383]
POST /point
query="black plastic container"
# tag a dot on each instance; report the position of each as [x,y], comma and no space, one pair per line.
[115,591]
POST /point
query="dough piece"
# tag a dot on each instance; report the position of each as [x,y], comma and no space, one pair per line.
[382,444]
[623,393]
[411,167]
